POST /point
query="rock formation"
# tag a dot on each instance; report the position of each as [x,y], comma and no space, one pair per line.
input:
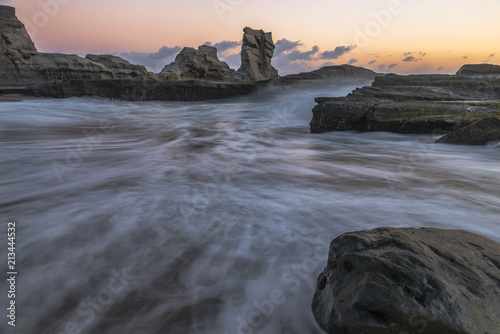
[22,64]
[201,64]
[256,54]
[120,67]
[16,46]
[482,132]
[194,75]
[24,70]
[414,104]
[410,281]
[479,69]
[330,72]
[13,33]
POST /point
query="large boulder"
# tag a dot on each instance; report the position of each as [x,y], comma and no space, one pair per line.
[482,132]
[410,281]
[256,54]
[201,64]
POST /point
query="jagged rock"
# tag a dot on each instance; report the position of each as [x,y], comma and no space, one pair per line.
[21,63]
[410,281]
[479,69]
[482,132]
[201,64]
[16,46]
[256,54]
[13,32]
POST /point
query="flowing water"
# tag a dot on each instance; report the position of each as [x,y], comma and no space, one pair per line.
[213,217]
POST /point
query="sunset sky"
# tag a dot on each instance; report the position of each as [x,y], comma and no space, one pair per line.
[401,36]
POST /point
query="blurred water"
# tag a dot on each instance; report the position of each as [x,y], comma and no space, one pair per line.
[166,217]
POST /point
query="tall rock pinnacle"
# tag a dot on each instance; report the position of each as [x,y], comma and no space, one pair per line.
[256,55]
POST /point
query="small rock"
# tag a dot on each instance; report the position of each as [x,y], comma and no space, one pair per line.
[483,132]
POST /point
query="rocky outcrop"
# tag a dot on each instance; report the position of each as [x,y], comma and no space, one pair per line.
[120,67]
[138,90]
[194,75]
[414,104]
[21,63]
[329,72]
[479,69]
[16,46]
[201,64]
[410,281]
[256,54]
[14,36]
[483,132]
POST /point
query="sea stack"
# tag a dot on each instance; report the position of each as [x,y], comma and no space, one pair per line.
[256,54]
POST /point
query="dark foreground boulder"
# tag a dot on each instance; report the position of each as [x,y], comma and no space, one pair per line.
[410,281]
[483,132]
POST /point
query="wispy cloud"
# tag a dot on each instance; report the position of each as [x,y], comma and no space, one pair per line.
[352,61]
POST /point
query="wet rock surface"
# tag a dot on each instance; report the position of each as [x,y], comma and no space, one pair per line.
[483,132]
[414,104]
[410,281]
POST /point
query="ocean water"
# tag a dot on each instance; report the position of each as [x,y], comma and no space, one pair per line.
[213,217]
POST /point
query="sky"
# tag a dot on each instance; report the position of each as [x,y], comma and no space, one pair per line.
[400,36]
